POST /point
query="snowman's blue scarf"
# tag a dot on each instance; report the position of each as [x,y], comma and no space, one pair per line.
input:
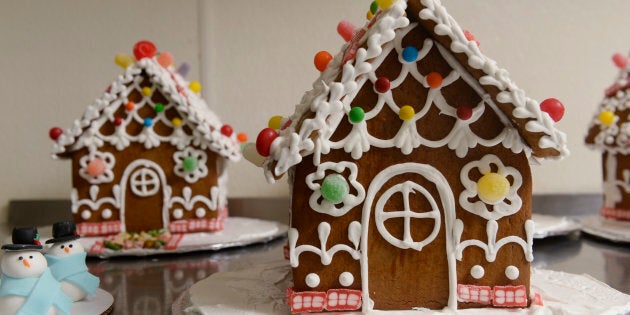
[73,269]
[40,293]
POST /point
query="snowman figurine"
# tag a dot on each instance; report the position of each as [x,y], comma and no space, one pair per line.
[66,260]
[27,285]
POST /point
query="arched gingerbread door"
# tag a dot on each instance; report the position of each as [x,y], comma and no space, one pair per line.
[406,243]
[144,196]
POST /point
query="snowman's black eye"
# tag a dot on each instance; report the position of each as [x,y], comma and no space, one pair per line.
[30,257]
[62,246]
[70,245]
[21,258]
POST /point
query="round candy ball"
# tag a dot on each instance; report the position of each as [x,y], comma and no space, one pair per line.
[129,106]
[165,59]
[148,122]
[146,91]
[275,122]
[118,121]
[195,86]
[373,7]
[464,112]
[493,187]
[264,140]
[356,115]
[384,4]
[159,107]
[190,164]
[241,137]
[96,167]
[55,132]
[334,188]
[434,80]
[176,122]
[144,49]
[227,130]
[321,60]
[406,113]
[620,60]
[607,118]
[346,30]
[382,85]
[554,108]
[410,54]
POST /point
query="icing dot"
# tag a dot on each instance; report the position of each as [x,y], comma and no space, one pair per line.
[176,122]
[55,132]
[118,121]
[146,91]
[159,107]
[607,118]
[493,187]
[373,7]
[201,274]
[264,140]
[334,188]
[322,59]
[178,213]
[96,167]
[123,60]
[511,272]
[227,130]
[346,30]
[312,280]
[86,214]
[165,59]
[144,49]
[369,15]
[130,106]
[106,214]
[356,115]
[241,137]
[410,54]
[382,85]
[464,112]
[384,4]
[195,86]
[190,164]
[148,122]
[434,80]
[178,274]
[554,108]
[477,272]
[406,113]
[200,212]
[346,279]
[620,60]
[275,122]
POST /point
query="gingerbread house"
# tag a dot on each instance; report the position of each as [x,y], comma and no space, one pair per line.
[149,154]
[609,132]
[409,168]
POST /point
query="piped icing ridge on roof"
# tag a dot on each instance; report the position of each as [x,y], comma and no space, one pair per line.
[322,108]
[609,129]
[205,127]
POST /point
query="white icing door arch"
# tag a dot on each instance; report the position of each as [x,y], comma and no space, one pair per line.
[447,205]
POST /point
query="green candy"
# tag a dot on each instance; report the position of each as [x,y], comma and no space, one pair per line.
[356,115]
[190,164]
[374,7]
[334,188]
[159,107]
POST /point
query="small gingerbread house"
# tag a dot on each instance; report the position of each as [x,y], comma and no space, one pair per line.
[609,132]
[149,154]
[409,167]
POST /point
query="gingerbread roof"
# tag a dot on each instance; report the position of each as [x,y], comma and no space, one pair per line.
[322,108]
[609,129]
[184,119]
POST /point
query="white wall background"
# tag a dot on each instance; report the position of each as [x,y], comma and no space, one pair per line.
[254,59]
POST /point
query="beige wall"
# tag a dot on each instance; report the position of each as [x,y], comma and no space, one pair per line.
[255,60]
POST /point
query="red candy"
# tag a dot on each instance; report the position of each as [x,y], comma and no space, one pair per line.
[554,108]
[620,60]
[264,140]
[434,80]
[227,130]
[322,59]
[118,121]
[470,37]
[382,85]
[165,59]
[55,133]
[464,112]
[346,30]
[144,49]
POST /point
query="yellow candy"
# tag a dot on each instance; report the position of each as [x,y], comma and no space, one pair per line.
[195,86]
[146,91]
[493,187]
[124,60]
[176,122]
[275,122]
[607,118]
[406,113]
[384,4]
[369,15]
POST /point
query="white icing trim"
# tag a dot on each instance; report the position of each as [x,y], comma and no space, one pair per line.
[349,201]
[493,246]
[323,231]
[188,201]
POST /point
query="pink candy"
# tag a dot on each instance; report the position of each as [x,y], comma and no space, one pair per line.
[96,167]
[346,30]
[620,60]
[165,59]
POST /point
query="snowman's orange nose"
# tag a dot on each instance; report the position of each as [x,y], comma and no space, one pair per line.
[67,249]
[25,262]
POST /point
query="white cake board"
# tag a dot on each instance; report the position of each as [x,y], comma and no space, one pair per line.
[548,225]
[261,291]
[613,230]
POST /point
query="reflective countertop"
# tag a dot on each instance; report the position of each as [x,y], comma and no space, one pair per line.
[150,285]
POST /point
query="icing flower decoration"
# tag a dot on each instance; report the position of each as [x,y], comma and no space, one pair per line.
[97,167]
[190,164]
[607,120]
[333,193]
[493,195]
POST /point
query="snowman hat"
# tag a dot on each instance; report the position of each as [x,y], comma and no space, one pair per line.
[64,231]
[24,238]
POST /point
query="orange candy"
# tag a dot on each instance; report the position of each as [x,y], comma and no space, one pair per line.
[434,80]
[322,59]
[130,106]
[241,137]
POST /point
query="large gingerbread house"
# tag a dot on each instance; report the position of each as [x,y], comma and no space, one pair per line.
[409,167]
[609,132]
[149,154]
